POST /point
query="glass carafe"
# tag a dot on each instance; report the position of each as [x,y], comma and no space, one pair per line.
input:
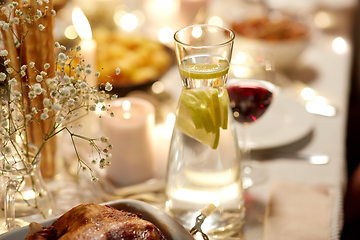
[204,158]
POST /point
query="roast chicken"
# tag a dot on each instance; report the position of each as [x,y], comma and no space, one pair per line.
[92,222]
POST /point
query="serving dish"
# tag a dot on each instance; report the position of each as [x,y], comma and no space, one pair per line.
[171,229]
[141,60]
[285,39]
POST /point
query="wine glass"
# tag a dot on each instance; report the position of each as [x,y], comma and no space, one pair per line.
[251,87]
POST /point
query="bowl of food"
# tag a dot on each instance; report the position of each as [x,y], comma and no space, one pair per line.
[285,38]
[129,219]
[142,61]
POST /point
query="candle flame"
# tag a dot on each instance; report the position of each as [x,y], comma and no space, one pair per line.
[81,24]
[126,105]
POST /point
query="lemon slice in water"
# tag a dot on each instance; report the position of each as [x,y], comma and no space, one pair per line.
[204,71]
[201,114]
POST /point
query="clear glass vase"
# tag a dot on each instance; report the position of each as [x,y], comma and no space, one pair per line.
[204,158]
[23,190]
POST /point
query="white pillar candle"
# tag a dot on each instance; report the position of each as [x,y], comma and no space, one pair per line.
[87,44]
[88,52]
[130,132]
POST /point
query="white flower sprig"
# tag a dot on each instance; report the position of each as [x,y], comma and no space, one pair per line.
[49,96]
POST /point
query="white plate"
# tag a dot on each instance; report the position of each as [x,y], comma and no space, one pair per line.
[167,225]
[285,122]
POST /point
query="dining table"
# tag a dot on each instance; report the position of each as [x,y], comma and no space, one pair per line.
[310,191]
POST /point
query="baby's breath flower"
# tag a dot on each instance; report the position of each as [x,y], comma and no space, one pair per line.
[117,71]
[47,102]
[57,107]
[62,47]
[54,94]
[32,64]
[13,82]
[5,27]
[41,27]
[16,93]
[28,117]
[59,119]
[19,118]
[39,78]
[53,12]
[88,71]
[38,12]
[78,48]
[6,62]
[62,57]
[39,2]
[23,73]
[16,20]
[57,45]
[44,116]
[32,94]
[46,65]
[108,86]
[83,85]
[92,108]
[97,74]
[2,76]
[10,70]
[112,114]
[3,53]
[43,73]
[113,97]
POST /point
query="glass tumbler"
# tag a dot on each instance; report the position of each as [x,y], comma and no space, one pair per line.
[204,157]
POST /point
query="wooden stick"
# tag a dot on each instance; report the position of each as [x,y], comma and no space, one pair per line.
[46,40]
[35,134]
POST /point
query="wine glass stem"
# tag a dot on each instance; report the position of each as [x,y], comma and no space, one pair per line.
[246,150]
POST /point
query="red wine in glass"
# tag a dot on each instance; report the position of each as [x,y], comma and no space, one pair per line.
[249,99]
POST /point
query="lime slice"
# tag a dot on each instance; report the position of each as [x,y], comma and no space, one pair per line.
[203,106]
[224,105]
[185,126]
[215,106]
[189,105]
[201,114]
[204,71]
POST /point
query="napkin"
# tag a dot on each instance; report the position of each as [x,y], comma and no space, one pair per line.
[298,212]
